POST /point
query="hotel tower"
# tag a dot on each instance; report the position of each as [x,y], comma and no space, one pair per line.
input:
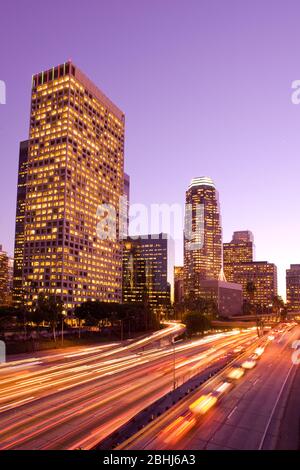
[203,246]
[75,163]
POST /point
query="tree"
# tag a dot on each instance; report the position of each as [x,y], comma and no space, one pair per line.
[206,307]
[278,304]
[48,309]
[196,323]
[7,317]
[251,289]
[37,316]
[23,316]
[284,313]
[122,317]
[54,313]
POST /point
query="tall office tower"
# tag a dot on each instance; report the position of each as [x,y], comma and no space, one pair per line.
[145,270]
[264,277]
[239,250]
[125,207]
[4,277]
[203,243]
[178,284]
[293,287]
[10,278]
[75,164]
[127,186]
[20,222]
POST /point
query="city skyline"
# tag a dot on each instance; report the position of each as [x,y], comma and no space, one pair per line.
[149,242]
[246,120]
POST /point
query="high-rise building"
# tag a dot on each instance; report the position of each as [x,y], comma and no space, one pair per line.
[145,270]
[227,296]
[239,250]
[20,222]
[10,278]
[293,287]
[75,163]
[178,284]
[262,275]
[4,277]
[203,242]
[125,207]
[127,186]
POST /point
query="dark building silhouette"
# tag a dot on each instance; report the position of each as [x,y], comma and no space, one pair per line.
[20,222]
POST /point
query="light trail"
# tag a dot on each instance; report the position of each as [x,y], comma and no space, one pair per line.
[75,404]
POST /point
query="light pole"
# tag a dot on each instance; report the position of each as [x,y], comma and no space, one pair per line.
[174,364]
[62,328]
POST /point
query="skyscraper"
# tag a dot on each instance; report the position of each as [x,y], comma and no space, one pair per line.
[293,287]
[264,277]
[203,244]
[145,270]
[239,250]
[239,267]
[4,277]
[75,163]
[178,284]
[20,222]
[125,208]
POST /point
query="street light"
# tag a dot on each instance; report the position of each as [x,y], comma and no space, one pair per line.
[62,326]
[174,364]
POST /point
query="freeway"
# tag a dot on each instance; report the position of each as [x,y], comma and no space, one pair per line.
[73,400]
[171,329]
[240,409]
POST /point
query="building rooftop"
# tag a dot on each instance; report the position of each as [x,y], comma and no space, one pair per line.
[202,181]
[69,68]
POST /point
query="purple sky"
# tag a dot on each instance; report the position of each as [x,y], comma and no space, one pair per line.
[206,88]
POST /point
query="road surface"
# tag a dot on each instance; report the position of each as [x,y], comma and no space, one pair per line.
[73,400]
[248,417]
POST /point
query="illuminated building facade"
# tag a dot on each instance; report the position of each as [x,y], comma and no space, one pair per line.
[239,250]
[293,287]
[145,270]
[178,284]
[4,277]
[125,207]
[264,277]
[10,279]
[203,247]
[20,222]
[75,163]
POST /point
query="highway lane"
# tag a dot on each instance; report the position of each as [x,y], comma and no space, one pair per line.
[247,417]
[42,368]
[73,407]
[65,357]
[17,385]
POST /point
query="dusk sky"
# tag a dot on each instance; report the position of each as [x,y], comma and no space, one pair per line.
[206,89]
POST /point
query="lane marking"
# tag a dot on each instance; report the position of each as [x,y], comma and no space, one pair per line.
[274,408]
[231,412]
